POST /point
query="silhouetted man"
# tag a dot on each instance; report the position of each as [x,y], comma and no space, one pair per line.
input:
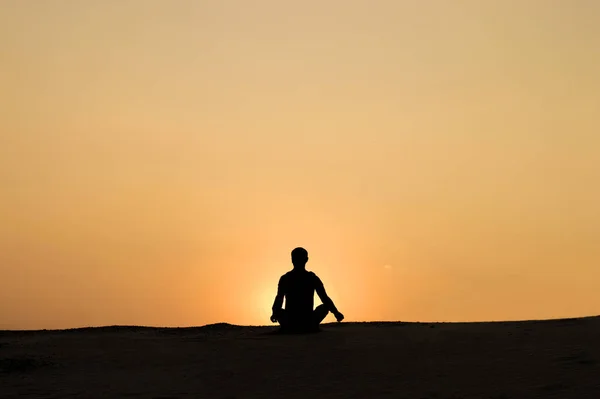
[298,287]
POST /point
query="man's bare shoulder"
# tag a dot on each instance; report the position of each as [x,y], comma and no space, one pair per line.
[315,279]
[286,276]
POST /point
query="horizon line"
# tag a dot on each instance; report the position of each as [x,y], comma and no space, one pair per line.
[237,326]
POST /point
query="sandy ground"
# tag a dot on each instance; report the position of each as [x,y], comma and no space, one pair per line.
[533,359]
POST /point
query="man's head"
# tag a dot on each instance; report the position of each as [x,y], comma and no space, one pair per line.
[299,257]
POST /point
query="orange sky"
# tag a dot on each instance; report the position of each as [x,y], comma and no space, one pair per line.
[160,159]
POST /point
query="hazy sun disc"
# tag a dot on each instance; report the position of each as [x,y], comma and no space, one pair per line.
[261,309]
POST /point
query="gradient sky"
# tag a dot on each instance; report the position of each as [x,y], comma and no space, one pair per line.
[159,160]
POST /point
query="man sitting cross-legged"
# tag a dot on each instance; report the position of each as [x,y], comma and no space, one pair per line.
[298,287]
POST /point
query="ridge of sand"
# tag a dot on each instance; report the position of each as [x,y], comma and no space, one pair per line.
[230,326]
[555,358]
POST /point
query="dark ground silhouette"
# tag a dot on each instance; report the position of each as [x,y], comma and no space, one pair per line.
[552,359]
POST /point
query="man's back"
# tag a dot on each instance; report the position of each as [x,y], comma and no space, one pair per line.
[299,287]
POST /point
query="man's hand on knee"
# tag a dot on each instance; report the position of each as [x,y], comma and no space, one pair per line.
[338,316]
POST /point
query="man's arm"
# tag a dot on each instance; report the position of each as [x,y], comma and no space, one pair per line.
[278,303]
[320,288]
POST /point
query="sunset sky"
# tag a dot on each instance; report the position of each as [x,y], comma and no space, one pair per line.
[159,160]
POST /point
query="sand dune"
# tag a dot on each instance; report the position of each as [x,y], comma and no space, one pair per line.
[531,359]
